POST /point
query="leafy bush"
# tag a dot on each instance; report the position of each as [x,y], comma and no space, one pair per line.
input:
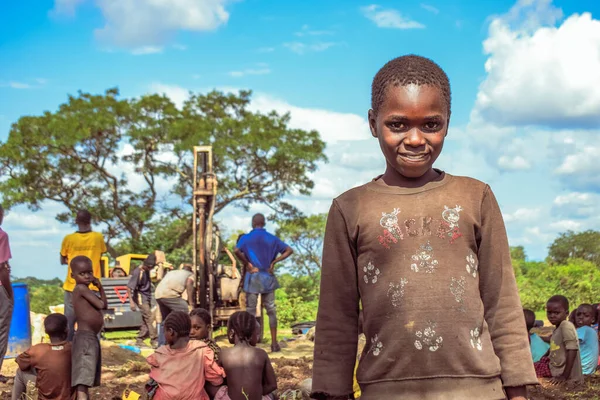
[578,280]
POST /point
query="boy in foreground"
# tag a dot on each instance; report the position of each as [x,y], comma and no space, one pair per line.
[565,361]
[86,364]
[47,364]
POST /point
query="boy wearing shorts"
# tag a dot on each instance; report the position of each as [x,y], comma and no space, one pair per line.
[86,359]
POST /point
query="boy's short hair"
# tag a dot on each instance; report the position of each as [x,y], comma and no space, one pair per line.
[529,318]
[406,70]
[588,306]
[560,299]
[202,314]
[55,324]
[77,261]
[83,217]
[179,322]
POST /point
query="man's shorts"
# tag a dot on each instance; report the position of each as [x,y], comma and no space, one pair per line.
[86,365]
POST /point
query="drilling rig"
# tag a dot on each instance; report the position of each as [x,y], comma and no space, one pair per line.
[217,284]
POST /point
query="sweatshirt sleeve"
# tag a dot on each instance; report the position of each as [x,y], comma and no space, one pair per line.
[336,336]
[502,305]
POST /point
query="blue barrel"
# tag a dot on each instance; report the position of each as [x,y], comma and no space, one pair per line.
[19,337]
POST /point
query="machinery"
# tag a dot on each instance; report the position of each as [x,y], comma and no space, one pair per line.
[118,315]
[218,284]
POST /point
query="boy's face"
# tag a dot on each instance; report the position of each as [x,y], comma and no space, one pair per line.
[199,329]
[411,125]
[556,313]
[82,273]
[584,316]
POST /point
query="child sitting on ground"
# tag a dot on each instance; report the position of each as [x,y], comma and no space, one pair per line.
[564,362]
[250,375]
[201,327]
[86,354]
[180,369]
[47,364]
[426,254]
[588,338]
[539,348]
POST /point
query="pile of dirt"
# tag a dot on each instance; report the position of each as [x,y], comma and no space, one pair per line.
[290,372]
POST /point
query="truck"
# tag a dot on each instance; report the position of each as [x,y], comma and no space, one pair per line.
[118,315]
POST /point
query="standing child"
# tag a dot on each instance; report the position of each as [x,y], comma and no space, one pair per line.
[588,338]
[86,353]
[565,361]
[182,367]
[250,375]
[47,364]
[201,327]
[427,255]
[539,348]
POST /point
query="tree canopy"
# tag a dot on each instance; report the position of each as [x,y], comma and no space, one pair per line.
[128,161]
[305,235]
[584,245]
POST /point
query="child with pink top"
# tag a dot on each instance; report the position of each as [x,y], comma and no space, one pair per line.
[180,369]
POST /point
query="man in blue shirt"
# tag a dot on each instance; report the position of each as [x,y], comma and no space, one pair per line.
[259,251]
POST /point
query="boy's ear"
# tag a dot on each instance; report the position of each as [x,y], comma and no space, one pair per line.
[373,123]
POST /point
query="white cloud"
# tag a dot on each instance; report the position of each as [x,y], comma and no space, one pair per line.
[540,74]
[19,85]
[306,31]
[140,23]
[65,8]
[147,50]
[566,225]
[302,48]
[430,8]
[523,215]
[176,93]
[333,126]
[266,49]
[389,18]
[181,47]
[515,163]
[250,71]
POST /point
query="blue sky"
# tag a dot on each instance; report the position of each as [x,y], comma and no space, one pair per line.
[525,79]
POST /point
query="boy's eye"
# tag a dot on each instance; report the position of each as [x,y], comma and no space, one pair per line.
[397,126]
[432,126]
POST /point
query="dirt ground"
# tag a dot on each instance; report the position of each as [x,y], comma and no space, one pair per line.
[124,369]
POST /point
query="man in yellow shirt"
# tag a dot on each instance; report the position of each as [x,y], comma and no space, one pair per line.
[84,242]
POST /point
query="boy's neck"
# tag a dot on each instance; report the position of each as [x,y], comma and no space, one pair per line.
[57,339]
[241,343]
[84,228]
[180,343]
[391,177]
[560,322]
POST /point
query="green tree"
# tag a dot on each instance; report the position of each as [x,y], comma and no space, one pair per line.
[584,245]
[305,235]
[111,155]
[517,253]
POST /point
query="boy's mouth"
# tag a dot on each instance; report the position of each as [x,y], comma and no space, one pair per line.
[411,157]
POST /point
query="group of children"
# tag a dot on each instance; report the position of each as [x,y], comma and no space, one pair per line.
[572,351]
[190,366]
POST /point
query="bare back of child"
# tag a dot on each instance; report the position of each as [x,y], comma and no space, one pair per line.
[86,365]
[250,375]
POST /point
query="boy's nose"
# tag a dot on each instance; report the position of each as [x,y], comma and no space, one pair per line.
[415,138]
